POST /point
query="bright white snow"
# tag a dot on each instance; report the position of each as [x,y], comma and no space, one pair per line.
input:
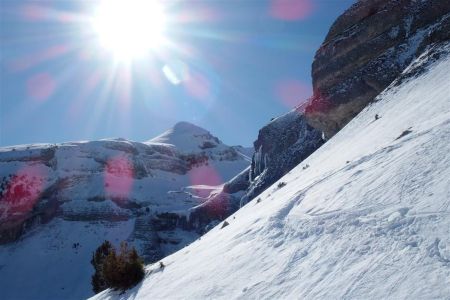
[187,137]
[369,218]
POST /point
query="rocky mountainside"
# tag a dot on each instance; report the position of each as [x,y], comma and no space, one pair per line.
[281,145]
[365,50]
[369,219]
[62,200]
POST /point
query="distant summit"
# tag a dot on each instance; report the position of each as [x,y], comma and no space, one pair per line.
[187,138]
[184,126]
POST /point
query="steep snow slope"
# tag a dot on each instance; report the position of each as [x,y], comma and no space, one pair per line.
[59,202]
[368,219]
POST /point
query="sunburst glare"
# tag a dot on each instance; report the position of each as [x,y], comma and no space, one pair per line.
[107,63]
[129,29]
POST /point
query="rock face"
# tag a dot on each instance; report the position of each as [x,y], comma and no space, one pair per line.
[365,50]
[281,145]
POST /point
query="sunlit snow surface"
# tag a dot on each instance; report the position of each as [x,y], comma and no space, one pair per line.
[369,218]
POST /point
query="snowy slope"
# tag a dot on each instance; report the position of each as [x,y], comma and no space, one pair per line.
[58,202]
[368,219]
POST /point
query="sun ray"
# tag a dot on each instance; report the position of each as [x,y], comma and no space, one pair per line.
[129,29]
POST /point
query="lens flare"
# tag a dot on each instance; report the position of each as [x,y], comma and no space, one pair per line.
[205,175]
[291,10]
[176,72]
[118,177]
[41,86]
[198,86]
[29,61]
[33,12]
[129,28]
[20,192]
[291,92]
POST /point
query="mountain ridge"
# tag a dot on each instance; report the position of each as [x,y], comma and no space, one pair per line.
[54,196]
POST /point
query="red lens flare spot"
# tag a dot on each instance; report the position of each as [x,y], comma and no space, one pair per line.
[66,17]
[205,175]
[29,61]
[20,192]
[118,177]
[41,86]
[318,103]
[291,10]
[33,12]
[198,86]
[291,92]
[199,14]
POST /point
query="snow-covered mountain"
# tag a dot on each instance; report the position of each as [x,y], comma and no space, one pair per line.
[369,218]
[366,215]
[60,201]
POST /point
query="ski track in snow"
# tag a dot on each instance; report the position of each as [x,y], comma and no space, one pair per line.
[369,219]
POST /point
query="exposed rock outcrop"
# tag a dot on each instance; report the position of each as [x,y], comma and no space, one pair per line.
[365,50]
[281,145]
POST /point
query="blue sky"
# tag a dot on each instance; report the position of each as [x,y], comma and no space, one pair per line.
[247,61]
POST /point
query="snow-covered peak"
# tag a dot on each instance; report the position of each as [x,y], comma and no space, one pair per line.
[188,138]
[187,127]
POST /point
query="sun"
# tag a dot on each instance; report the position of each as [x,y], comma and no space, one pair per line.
[130,29]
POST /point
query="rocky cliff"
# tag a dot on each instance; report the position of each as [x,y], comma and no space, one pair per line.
[281,145]
[365,50]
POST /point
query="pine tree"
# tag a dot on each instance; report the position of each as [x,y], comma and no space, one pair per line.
[121,270]
[135,267]
[112,270]
[98,258]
